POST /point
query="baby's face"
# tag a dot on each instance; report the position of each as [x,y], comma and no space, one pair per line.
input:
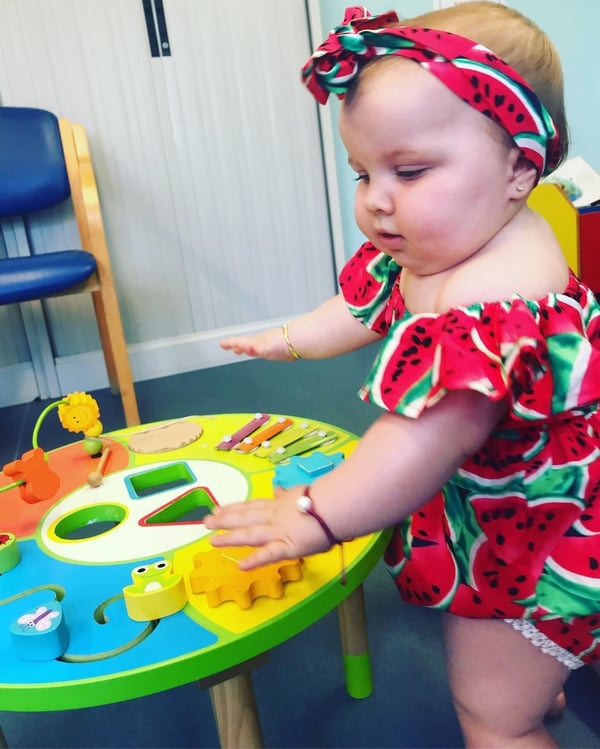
[433,173]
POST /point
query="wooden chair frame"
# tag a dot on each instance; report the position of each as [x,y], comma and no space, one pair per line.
[101,285]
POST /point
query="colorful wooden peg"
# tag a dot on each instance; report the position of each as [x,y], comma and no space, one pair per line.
[40,634]
[305,469]
[157,591]
[10,555]
[39,481]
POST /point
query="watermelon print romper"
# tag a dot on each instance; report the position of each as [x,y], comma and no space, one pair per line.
[515,534]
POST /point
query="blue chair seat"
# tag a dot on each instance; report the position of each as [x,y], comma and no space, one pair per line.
[25,278]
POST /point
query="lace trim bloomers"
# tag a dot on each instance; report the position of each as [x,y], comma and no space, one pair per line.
[546,645]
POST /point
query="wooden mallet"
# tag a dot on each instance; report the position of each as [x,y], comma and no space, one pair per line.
[95,477]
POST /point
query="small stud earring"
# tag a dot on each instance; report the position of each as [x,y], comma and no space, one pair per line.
[520,188]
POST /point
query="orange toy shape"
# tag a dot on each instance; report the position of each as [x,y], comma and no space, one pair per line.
[39,480]
[217,574]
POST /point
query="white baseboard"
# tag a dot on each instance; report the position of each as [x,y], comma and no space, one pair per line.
[151,360]
[17,384]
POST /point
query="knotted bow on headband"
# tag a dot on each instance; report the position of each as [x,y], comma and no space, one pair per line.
[469,70]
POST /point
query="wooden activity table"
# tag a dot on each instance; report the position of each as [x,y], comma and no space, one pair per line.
[84,551]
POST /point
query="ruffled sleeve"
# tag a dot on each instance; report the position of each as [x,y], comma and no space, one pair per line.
[368,281]
[544,356]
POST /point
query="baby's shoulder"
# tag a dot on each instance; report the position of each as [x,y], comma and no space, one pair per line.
[524,259]
[498,285]
[499,279]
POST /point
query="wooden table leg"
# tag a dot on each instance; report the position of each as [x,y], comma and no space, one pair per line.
[355,644]
[236,713]
[234,705]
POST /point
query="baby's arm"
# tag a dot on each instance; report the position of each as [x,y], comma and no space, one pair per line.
[398,465]
[327,331]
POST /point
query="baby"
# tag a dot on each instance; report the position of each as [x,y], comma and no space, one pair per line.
[485,457]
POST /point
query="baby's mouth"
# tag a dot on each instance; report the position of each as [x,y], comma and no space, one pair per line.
[386,238]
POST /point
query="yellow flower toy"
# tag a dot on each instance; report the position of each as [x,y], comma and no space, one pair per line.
[79,412]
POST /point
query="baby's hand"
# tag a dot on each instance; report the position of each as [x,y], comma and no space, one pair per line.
[276,526]
[268,345]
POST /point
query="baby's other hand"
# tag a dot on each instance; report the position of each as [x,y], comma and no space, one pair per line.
[240,345]
[268,345]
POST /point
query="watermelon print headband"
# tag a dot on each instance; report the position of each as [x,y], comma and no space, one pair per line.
[469,70]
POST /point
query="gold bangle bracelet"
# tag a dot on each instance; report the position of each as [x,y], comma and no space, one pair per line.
[291,348]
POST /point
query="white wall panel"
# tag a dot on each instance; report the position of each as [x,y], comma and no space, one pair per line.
[208,163]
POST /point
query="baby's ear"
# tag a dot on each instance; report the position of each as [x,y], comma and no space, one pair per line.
[524,177]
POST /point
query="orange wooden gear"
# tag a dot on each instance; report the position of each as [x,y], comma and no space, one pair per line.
[216,573]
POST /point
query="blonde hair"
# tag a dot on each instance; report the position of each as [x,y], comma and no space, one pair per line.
[514,38]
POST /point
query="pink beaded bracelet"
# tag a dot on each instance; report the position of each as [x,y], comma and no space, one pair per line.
[306,506]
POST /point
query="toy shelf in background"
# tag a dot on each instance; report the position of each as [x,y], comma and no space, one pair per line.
[579,180]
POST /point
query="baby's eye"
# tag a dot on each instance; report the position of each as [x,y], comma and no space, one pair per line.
[362,178]
[410,174]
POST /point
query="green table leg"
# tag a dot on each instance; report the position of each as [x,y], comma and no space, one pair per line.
[355,645]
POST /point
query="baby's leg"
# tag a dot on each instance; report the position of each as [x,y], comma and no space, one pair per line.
[502,685]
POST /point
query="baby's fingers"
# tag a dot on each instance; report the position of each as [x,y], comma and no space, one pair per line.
[238,346]
[274,551]
[250,535]
[239,515]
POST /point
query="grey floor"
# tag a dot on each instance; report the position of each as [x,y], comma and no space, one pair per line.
[300,690]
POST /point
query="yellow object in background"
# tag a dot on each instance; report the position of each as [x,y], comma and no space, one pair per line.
[551,203]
